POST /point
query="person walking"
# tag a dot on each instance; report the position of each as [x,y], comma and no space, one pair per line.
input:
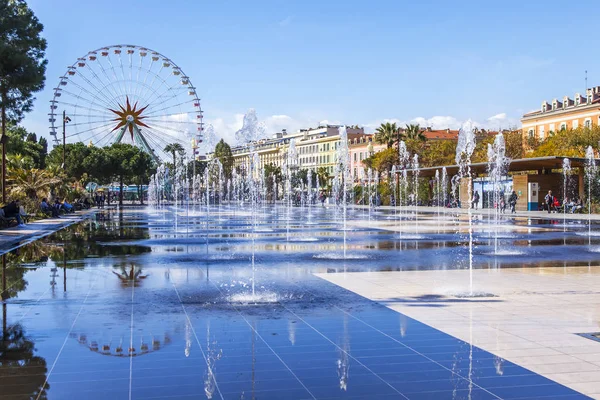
[475,202]
[549,200]
[512,200]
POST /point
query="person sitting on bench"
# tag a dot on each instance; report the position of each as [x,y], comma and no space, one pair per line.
[13,210]
[45,207]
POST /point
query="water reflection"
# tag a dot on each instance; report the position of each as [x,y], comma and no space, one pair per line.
[130,275]
[343,362]
[213,354]
[134,251]
[22,372]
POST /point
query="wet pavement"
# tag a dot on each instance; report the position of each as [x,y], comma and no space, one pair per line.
[144,304]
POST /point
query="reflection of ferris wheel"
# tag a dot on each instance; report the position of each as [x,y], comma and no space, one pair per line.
[127,94]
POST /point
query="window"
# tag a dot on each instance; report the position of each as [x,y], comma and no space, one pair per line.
[575,123]
[563,126]
[544,108]
[531,132]
[587,123]
[542,132]
[355,157]
[361,156]
[551,128]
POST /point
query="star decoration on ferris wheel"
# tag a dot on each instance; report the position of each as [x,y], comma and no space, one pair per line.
[129,116]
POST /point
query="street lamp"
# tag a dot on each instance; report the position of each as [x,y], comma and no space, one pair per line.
[66,120]
[194,148]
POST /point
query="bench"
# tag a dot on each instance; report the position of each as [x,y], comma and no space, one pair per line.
[7,221]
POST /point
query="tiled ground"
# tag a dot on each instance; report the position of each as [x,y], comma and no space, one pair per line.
[134,306]
[533,321]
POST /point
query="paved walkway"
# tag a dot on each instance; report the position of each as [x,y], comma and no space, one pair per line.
[15,236]
[533,320]
[487,211]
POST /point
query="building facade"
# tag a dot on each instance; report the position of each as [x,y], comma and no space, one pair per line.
[563,114]
[316,147]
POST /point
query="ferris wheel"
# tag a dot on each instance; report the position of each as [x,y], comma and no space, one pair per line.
[127,94]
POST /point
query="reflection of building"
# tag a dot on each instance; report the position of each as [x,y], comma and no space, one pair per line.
[562,114]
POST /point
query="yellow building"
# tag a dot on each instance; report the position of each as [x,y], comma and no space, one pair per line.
[563,114]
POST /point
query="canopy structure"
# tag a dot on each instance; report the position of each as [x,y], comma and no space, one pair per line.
[520,165]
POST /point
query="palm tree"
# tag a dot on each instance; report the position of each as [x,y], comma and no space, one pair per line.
[388,134]
[413,131]
[174,148]
[33,183]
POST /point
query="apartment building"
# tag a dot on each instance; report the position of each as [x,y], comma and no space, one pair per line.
[316,147]
[562,114]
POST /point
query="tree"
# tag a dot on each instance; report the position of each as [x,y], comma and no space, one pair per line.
[323,176]
[198,166]
[22,65]
[44,152]
[413,131]
[383,161]
[439,152]
[225,156]
[17,143]
[273,178]
[514,144]
[388,134]
[129,164]
[31,183]
[174,148]
[75,162]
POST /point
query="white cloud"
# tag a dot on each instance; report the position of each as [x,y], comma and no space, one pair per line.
[497,121]
[497,117]
[226,125]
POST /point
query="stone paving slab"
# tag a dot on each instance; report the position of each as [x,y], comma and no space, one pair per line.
[12,237]
[533,320]
[486,211]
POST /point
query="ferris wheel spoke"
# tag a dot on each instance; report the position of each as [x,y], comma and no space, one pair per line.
[82,98]
[152,114]
[92,122]
[157,142]
[171,121]
[156,74]
[137,78]
[79,106]
[123,73]
[100,101]
[152,93]
[88,116]
[98,90]
[166,128]
[113,70]
[165,100]
[108,85]
[105,137]
[91,129]
[164,136]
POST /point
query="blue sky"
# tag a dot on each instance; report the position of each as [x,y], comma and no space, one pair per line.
[353,62]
